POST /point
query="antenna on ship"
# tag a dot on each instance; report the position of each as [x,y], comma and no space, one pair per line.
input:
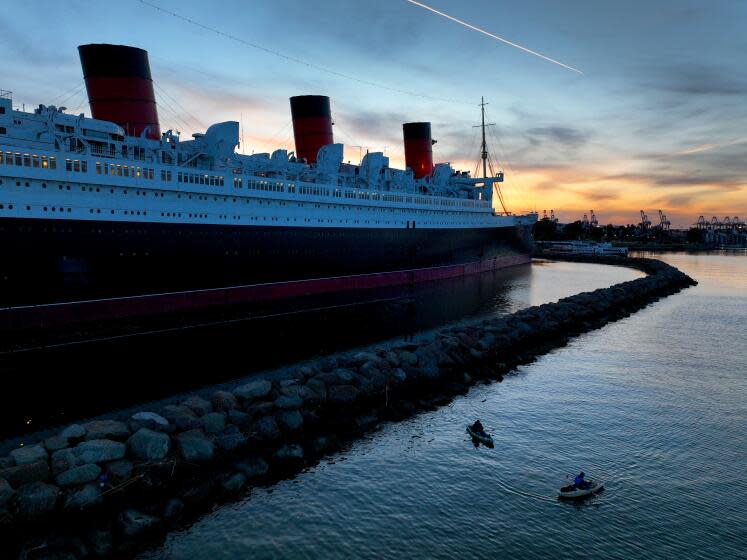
[485,156]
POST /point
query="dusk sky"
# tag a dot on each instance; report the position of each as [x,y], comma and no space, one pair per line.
[658,119]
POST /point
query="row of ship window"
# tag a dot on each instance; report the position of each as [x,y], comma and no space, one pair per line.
[81,166]
[222,216]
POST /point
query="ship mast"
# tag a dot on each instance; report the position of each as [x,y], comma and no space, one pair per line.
[484,145]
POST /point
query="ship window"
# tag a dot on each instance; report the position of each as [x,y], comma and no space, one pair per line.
[98,168]
[68,165]
[27,160]
[2,128]
[2,110]
[76,165]
[53,162]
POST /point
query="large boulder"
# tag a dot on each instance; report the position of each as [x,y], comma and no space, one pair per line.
[195,447]
[223,401]
[198,405]
[230,439]
[318,387]
[6,492]
[257,409]
[79,475]
[107,429]
[239,418]
[55,443]
[253,390]
[149,420]
[99,451]
[36,500]
[74,431]
[342,395]
[119,471]
[214,422]
[29,454]
[63,460]
[233,483]
[148,445]
[265,429]
[339,376]
[25,474]
[252,467]
[289,420]
[284,402]
[293,452]
[134,523]
[83,498]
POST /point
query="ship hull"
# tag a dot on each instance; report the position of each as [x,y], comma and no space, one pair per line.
[62,260]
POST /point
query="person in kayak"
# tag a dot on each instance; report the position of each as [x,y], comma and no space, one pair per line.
[477,428]
[579,481]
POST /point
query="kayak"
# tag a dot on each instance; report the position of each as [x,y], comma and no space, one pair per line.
[572,493]
[482,437]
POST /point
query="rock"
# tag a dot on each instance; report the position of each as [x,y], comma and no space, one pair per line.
[233,483]
[173,508]
[214,422]
[339,376]
[322,444]
[185,423]
[289,420]
[64,459]
[360,358]
[107,429]
[36,500]
[83,498]
[292,452]
[7,462]
[240,419]
[195,447]
[252,467]
[99,451]
[6,492]
[342,394]
[319,388]
[148,445]
[265,429]
[73,431]
[134,523]
[78,475]
[25,474]
[397,377]
[253,390]
[223,401]
[119,471]
[408,358]
[149,420]
[305,372]
[309,396]
[231,439]
[100,541]
[366,422]
[172,411]
[370,369]
[392,359]
[198,405]
[55,443]
[256,410]
[29,454]
[288,403]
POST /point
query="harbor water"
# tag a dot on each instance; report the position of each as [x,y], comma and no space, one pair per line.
[654,406]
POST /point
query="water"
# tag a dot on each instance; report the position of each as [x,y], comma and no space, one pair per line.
[654,405]
[172,357]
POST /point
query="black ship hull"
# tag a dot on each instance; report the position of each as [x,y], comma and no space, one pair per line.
[48,261]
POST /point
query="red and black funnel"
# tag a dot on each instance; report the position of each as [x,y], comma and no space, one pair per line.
[418,148]
[312,124]
[120,88]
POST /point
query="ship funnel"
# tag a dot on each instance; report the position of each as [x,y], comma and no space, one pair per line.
[120,88]
[312,124]
[418,148]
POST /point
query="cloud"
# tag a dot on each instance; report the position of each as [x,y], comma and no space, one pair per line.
[564,135]
[696,80]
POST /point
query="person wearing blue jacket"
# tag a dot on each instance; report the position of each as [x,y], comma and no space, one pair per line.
[579,481]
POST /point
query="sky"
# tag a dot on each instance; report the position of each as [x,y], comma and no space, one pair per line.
[657,120]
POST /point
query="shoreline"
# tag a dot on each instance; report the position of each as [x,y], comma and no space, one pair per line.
[173,463]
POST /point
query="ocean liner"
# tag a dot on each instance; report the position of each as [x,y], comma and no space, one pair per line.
[110,206]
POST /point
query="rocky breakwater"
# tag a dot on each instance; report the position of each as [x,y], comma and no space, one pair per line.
[109,487]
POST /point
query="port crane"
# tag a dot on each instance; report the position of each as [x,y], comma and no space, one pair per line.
[593,221]
[664,223]
[645,222]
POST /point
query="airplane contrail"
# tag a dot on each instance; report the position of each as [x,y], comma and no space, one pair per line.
[501,39]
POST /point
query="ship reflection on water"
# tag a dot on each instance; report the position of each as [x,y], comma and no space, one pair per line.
[60,382]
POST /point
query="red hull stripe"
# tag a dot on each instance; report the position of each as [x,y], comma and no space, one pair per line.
[59,314]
